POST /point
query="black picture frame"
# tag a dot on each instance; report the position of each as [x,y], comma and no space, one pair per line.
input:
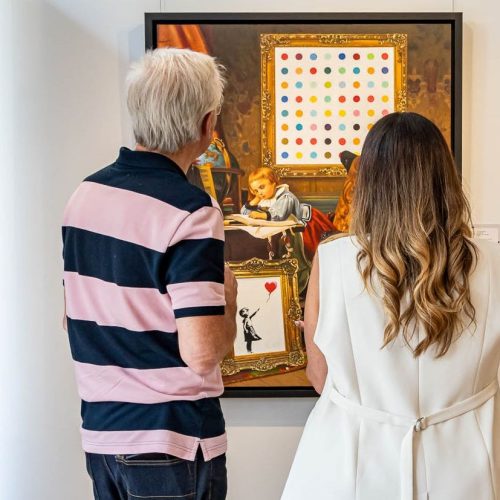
[455,22]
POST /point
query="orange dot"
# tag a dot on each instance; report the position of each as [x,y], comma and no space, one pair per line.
[371,70]
[298,71]
[299,113]
[284,126]
[371,112]
[356,85]
[369,126]
[284,85]
[385,98]
[356,141]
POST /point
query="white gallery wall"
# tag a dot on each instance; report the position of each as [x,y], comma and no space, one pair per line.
[62,116]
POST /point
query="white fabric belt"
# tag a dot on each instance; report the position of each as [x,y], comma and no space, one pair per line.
[414,425]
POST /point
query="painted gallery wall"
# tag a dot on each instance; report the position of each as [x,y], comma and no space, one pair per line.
[61,117]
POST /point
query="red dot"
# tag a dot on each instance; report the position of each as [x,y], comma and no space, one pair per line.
[371,98]
[356,56]
[298,141]
[284,57]
[356,98]
[314,141]
[385,55]
[313,71]
[342,98]
[298,57]
[298,98]
[342,141]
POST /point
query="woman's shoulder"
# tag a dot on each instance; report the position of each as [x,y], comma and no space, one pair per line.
[342,242]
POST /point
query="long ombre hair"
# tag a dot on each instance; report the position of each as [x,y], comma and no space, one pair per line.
[413,224]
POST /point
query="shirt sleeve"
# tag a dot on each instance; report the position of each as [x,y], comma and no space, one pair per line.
[195,265]
[283,207]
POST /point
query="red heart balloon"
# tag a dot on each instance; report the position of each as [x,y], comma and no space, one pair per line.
[271,286]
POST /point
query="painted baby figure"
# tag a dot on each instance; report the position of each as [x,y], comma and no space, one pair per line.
[270,200]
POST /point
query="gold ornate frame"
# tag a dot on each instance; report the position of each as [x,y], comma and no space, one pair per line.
[268,42]
[294,354]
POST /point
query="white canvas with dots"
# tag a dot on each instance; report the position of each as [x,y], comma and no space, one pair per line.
[327,98]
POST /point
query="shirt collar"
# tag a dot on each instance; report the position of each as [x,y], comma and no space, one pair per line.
[147,159]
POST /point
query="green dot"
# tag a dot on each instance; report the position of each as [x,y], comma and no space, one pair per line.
[385,84]
[328,70]
[328,98]
[342,70]
[371,56]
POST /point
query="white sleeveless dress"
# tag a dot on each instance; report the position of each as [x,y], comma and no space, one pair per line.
[366,439]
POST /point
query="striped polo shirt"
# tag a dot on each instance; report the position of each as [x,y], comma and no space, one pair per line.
[142,247]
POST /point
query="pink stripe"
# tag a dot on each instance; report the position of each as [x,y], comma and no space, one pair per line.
[122,214]
[206,222]
[155,441]
[112,383]
[196,294]
[137,309]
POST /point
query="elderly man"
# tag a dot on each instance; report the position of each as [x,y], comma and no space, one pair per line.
[150,306]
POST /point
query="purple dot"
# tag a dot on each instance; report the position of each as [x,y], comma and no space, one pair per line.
[328,126]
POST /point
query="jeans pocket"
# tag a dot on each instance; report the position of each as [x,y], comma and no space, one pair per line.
[156,475]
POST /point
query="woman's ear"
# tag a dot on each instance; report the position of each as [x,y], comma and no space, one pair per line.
[208,123]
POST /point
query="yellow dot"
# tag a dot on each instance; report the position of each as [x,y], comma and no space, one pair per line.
[299,113]
[299,155]
[385,98]
[284,127]
[284,141]
[357,153]
[328,113]
[298,71]
[284,85]
[356,141]
[328,84]
[370,125]
[371,112]
[313,98]
[371,70]
[356,85]
[342,112]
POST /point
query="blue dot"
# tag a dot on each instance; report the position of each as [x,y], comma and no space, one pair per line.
[299,85]
[314,154]
[314,112]
[284,71]
[385,70]
[284,99]
[284,113]
[342,85]
[371,85]
[299,126]
[313,56]
[356,70]
[341,126]
[342,56]
[284,155]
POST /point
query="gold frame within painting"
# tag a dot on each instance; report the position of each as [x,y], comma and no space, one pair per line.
[294,356]
[268,44]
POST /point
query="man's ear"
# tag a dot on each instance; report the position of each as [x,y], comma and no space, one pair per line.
[208,123]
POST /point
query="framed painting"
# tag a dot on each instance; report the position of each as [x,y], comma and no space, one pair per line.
[303,90]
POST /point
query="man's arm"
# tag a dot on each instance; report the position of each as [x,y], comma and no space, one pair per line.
[205,340]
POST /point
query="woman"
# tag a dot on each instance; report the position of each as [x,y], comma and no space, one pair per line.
[402,328]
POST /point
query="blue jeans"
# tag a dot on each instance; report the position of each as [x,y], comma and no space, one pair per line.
[158,476]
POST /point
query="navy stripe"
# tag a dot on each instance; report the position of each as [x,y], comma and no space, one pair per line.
[160,184]
[202,418]
[112,345]
[187,312]
[195,260]
[113,260]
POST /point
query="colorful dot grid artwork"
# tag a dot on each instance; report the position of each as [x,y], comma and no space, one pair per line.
[327,98]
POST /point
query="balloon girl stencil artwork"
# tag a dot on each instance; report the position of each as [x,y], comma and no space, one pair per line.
[260,329]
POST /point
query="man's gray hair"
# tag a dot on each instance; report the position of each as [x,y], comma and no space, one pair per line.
[169,91]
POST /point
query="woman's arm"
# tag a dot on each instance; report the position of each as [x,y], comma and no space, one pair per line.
[316,363]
